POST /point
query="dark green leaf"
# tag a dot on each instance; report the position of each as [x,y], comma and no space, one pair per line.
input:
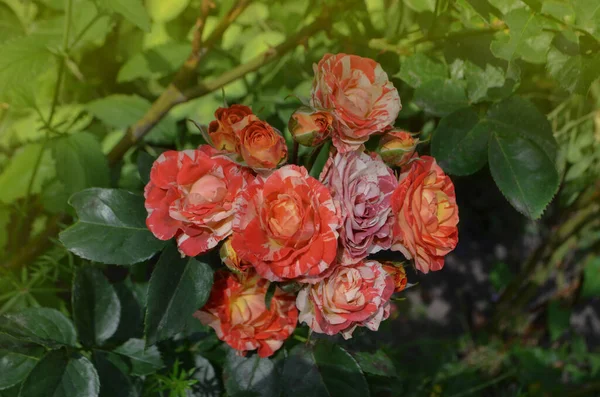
[80,162]
[131,324]
[459,143]
[254,375]
[441,97]
[269,295]
[132,10]
[320,161]
[500,276]
[144,164]
[522,170]
[574,73]
[377,363]
[44,326]
[16,363]
[114,381]
[591,279]
[144,360]
[61,375]
[111,227]
[158,61]
[558,319]
[178,287]
[96,306]
[208,383]
[419,69]
[322,369]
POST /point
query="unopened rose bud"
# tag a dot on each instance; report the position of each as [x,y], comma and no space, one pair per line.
[398,274]
[231,259]
[309,126]
[397,147]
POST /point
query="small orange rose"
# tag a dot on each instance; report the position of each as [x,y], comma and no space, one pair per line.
[231,259]
[260,145]
[221,130]
[398,274]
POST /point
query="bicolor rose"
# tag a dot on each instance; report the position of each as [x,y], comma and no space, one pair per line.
[363,186]
[397,273]
[286,226]
[237,312]
[356,295]
[424,205]
[360,96]
[310,127]
[260,145]
[221,131]
[397,147]
[191,196]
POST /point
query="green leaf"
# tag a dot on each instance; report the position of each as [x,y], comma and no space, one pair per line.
[23,60]
[527,39]
[321,159]
[522,170]
[96,306]
[43,326]
[156,62]
[61,375]
[250,376]
[269,295]
[591,279]
[164,11]
[480,83]
[19,171]
[178,287]
[15,364]
[144,360]
[421,5]
[419,69]
[133,10]
[459,143]
[441,97]
[111,227]
[10,24]
[377,363]
[80,162]
[574,73]
[500,276]
[322,369]
[122,111]
[131,324]
[558,319]
[260,43]
[112,372]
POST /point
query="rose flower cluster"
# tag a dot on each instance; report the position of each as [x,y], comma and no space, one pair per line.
[297,248]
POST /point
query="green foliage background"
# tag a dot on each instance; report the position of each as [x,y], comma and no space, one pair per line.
[88,301]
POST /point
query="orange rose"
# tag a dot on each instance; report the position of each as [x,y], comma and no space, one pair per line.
[220,130]
[260,145]
[286,226]
[359,95]
[398,274]
[424,204]
[310,127]
[237,312]
[397,147]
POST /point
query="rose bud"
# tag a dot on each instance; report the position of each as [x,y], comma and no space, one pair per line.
[398,274]
[426,214]
[261,146]
[310,127]
[221,131]
[236,310]
[231,259]
[397,147]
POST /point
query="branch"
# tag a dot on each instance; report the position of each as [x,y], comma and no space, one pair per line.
[174,96]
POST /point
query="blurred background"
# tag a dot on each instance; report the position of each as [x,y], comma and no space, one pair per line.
[91,91]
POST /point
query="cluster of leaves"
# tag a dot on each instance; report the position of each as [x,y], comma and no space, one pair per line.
[499,82]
